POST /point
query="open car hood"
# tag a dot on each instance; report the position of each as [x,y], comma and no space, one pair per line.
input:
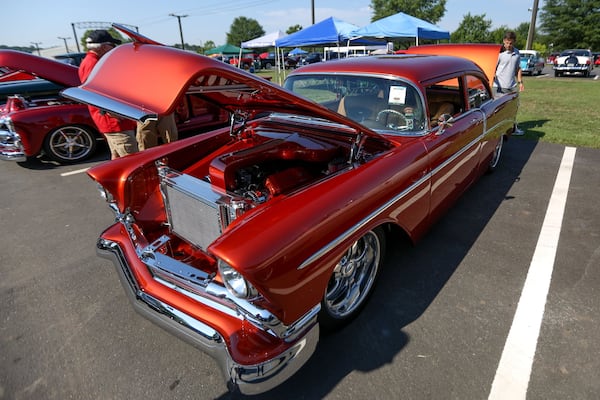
[484,55]
[45,68]
[143,79]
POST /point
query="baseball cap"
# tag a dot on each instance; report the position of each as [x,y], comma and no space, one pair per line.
[101,36]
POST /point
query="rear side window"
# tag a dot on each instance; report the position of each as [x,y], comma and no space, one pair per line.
[478,92]
[444,97]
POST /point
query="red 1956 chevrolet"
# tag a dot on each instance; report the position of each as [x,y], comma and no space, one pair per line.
[248,240]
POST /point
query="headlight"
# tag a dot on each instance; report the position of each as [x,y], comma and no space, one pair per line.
[235,282]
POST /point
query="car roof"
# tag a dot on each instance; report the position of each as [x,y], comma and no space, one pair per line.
[417,68]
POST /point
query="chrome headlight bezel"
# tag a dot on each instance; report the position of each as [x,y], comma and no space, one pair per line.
[105,194]
[235,282]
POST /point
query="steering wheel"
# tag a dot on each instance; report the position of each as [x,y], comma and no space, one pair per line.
[394,112]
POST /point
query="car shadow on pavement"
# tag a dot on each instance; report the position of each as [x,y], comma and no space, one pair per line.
[412,278]
[43,162]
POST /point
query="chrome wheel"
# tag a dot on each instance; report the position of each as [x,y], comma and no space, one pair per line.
[496,155]
[70,144]
[353,279]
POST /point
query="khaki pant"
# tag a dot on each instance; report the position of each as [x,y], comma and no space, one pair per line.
[121,143]
[148,132]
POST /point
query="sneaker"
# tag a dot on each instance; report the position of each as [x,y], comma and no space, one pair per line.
[518,132]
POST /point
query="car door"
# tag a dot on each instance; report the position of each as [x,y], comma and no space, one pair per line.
[453,148]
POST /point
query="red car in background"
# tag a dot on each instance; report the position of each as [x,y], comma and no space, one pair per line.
[249,240]
[35,118]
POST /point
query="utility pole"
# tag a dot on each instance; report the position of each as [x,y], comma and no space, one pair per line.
[37,46]
[65,40]
[313,11]
[180,30]
[531,32]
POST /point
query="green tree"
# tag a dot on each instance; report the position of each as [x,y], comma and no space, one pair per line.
[522,32]
[209,44]
[243,29]
[293,29]
[428,10]
[571,23]
[473,29]
[497,35]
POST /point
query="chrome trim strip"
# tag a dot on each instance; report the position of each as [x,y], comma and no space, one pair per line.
[105,103]
[336,242]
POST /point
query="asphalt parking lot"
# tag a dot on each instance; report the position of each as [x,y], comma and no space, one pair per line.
[436,328]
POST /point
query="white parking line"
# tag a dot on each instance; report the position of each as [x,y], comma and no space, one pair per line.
[78,171]
[514,370]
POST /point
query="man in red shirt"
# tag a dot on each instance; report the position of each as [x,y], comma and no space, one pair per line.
[119,132]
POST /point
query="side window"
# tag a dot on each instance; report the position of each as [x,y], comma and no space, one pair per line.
[444,97]
[478,92]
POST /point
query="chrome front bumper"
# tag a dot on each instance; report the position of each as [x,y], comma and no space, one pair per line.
[573,68]
[11,148]
[246,379]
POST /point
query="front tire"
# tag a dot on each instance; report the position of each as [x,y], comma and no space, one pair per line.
[70,144]
[352,281]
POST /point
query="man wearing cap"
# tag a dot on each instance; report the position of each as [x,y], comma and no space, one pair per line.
[119,132]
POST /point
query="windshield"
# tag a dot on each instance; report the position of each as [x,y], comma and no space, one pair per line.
[378,103]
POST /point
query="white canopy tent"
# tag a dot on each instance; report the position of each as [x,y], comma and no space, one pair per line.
[267,40]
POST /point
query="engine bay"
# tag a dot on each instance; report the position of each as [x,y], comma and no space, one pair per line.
[274,164]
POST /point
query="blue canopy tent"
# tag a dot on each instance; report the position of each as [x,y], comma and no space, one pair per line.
[328,31]
[401,26]
[297,51]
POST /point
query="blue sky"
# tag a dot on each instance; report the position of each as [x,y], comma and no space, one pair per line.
[24,22]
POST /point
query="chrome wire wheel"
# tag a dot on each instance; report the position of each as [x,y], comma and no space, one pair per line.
[70,144]
[496,155]
[353,279]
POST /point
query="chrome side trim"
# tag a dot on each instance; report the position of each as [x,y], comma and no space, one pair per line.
[337,241]
[105,103]
[247,379]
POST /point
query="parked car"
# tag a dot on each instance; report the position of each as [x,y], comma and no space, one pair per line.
[36,118]
[551,58]
[312,58]
[577,61]
[267,60]
[248,240]
[596,59]
[245,62]
[531,62]
[8,75]
[71,58]
[29,88]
